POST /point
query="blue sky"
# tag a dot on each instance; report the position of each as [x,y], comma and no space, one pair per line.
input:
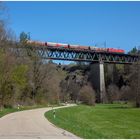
[85,23]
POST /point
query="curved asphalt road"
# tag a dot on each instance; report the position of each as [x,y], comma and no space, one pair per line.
[31,124]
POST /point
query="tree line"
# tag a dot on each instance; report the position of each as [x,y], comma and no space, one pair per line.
[31,80]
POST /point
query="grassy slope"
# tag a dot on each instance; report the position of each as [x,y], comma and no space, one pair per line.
[10,110]
[102,121]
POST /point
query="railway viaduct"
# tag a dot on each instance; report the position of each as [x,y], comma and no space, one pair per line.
[97,59]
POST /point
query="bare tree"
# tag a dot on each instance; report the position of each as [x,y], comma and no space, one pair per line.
[87,95]
[113,93]
[135,83]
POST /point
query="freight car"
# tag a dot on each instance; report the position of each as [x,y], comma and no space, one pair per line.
[76,47]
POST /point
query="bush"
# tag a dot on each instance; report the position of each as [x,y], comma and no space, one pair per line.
[87,95]
[113,93]
[129,95]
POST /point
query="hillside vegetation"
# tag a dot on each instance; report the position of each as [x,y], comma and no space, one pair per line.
[30,80]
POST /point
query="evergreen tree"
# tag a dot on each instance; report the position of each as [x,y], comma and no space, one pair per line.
[133,51]
[24,37]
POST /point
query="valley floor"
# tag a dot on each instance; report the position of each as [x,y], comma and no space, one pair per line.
[102,121]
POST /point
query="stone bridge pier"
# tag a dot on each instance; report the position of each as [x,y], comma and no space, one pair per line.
[97,73]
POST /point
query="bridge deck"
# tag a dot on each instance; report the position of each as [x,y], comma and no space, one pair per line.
[80,55]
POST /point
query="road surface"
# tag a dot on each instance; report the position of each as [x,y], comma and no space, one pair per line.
[31,124]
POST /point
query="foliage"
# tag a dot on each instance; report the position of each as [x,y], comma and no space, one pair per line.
[133,51]
[30,80]
[24,37]
[19,75]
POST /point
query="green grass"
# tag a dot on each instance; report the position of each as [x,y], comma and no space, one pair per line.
[102,121]
[10,110]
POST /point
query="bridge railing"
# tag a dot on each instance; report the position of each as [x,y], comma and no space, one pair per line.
[77,55]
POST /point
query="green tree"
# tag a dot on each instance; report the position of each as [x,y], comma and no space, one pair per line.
[13,79]
[7,62]
[19,76]
[24,37]
[133,51]
[19,81]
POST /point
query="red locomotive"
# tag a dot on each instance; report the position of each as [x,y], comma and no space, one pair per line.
[76,47]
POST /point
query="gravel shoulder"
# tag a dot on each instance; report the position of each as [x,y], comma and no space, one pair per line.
[32,124]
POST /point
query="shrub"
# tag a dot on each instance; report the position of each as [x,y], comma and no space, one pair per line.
[113,93]
[87,95]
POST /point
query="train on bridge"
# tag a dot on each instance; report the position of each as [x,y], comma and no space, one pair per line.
[75,47]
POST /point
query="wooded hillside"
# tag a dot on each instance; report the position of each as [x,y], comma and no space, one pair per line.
[30,80]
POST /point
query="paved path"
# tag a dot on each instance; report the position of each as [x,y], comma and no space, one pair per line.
[31,124]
